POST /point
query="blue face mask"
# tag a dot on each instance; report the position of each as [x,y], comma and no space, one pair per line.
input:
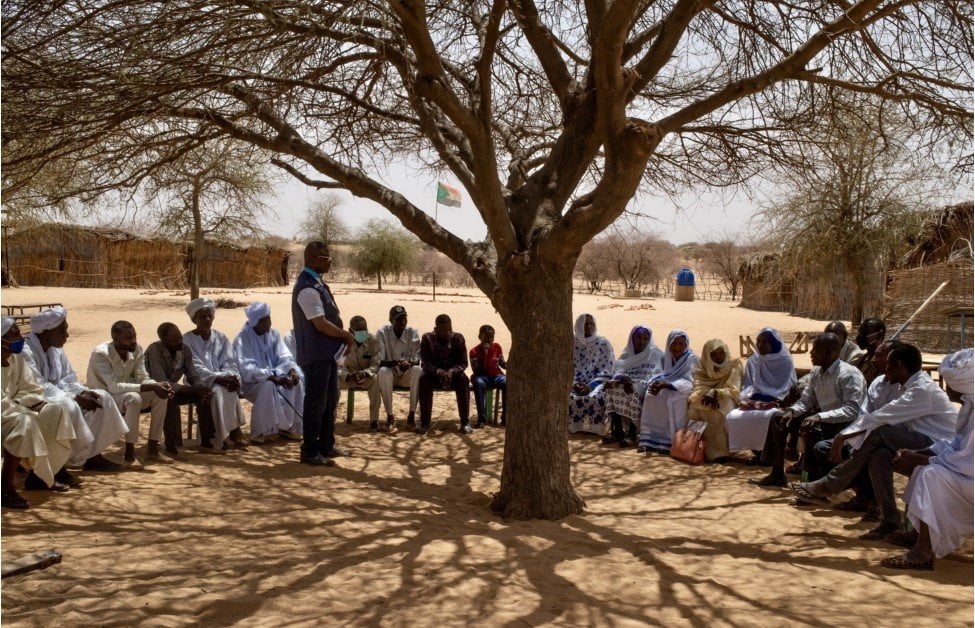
[361,336]
[16,347]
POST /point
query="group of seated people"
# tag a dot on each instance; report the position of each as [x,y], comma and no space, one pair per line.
[841,432]
[52,421]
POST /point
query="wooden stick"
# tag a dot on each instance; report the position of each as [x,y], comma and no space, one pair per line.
[39,560]
[918,311]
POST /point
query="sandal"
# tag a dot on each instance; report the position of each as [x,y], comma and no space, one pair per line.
[899,562]
[14,500]
[803,494]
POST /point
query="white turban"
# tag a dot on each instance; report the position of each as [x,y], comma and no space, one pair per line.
[47,319]
[958,370]
[255,312]
[196,305]
[5,324]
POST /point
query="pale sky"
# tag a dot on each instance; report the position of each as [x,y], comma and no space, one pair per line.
[700,213]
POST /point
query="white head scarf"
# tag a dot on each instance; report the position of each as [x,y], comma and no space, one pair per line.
[5,324]
[47,319]
[958,370]
[255,312]
[683,366]
[772,374]
[650,355]
[196,305]
[580,330]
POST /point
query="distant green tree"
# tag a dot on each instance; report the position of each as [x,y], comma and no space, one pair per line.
[382,248]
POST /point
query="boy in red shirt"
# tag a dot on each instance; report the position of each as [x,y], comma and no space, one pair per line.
[487,360]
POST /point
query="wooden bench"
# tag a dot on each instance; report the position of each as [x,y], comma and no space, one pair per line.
[22,313]
[799,344]
[490,408]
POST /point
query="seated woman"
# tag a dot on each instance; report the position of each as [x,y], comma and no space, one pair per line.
[624,392]
[665,404]
[717,382]
[769,379]
[592,358]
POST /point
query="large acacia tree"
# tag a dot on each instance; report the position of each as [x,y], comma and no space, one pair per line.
[549,113]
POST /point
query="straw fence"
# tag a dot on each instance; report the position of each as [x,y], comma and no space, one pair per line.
[934,330]
[83,257]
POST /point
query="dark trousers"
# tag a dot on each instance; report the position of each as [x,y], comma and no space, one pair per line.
[173,423]
[458,383]
[876,454]
[860,485]
[775,441]
[813,465]
[481,384]
[321,398]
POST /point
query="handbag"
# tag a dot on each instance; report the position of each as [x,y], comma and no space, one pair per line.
[688,444]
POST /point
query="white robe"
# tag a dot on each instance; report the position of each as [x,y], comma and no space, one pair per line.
[214,358]
[95,429]
[275,407]
[940,493]
[42,438]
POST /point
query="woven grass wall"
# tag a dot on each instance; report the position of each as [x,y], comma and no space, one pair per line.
[930,330]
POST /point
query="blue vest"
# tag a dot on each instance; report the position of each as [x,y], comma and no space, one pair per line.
[312,345]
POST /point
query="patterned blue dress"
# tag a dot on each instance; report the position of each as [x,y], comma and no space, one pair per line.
[593,362]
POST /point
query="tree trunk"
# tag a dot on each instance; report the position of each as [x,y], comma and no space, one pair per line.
[197,244]
[536,303]
[379,280]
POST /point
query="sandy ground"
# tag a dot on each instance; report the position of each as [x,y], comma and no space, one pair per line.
[400,534]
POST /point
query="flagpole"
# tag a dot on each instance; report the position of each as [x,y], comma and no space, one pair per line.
[436,202]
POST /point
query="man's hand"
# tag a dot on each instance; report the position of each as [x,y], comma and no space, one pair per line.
[782,418]
[502,363]
[88,401]
[836,450]
[164,390]
[404,365]
[810,422]
[908,460]
[230,382]
[444,378]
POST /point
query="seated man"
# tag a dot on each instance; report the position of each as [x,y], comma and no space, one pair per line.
[870,335]
[939,496]
[95,417]
[399,364]
[360,368]
[31,429]
[830,402]
[169,360]
[270,375]
[487,360]
[443,358]
[919,417]
[119,367]
[850,351]
[215,362]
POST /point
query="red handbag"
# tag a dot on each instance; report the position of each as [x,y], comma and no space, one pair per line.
[688,444]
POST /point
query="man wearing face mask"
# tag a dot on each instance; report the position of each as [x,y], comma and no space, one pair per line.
[361,366]
[119,367]
[870,335]
[270,378]
[400,363]
[31,429]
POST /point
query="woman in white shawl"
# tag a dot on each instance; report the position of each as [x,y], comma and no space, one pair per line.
[639,362]
[770,377]
[592,359]
[665,404]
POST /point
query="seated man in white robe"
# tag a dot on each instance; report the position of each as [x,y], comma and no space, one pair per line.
[270,378]
[216,364]
[939,495]
[32,430]
[95,417]
[360,368]
[399,364]
[119,367]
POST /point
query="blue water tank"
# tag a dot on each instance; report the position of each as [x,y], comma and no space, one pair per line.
[685,277]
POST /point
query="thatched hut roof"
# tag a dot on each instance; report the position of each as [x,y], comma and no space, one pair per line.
[945,235]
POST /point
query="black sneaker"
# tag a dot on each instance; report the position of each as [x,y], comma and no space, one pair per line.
[317,461]
[374,426]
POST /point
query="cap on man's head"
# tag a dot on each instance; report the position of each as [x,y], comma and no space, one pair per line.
[395,312]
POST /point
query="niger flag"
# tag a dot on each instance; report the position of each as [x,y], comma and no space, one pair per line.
[447,195]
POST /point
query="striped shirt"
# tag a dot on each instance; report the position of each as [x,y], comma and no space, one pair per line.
[835,394]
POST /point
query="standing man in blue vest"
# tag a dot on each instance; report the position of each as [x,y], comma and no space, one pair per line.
[319,335]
